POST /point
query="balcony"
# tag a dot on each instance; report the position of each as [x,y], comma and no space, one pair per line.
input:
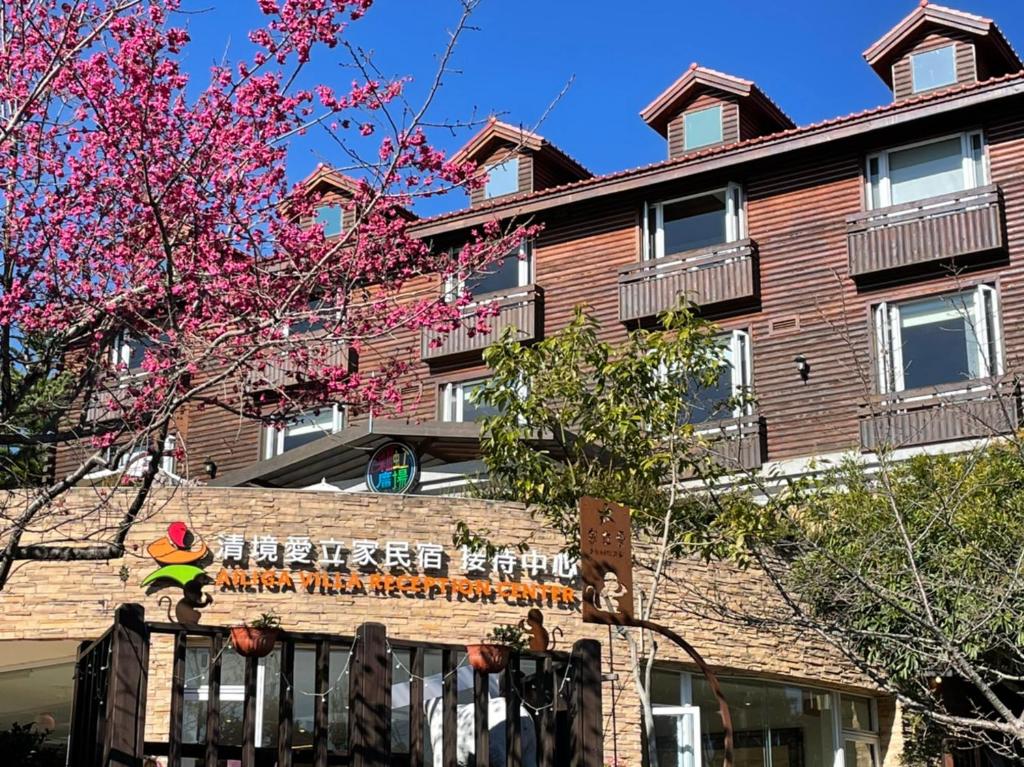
[968,410]
[706,276]
[737,443]
[926,231]
[282,372]
[521,311]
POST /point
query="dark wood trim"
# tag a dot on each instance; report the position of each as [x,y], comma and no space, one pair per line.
[286,705]
[213,702]
[450,709]
[249,713]
[174,730]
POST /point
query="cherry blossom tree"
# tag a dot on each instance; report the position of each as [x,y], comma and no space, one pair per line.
[154,256]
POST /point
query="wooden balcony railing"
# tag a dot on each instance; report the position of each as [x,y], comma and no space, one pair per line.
[108,404]
[736,443]
[283,372]
[926,231]
[520,310]
[967,410]
[706,276]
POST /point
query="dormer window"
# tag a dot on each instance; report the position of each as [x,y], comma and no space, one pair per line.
[329,217]
[702,127]
[502,178]
[933,69]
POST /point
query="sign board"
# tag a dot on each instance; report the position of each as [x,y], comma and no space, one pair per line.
[606,562]
[393,469]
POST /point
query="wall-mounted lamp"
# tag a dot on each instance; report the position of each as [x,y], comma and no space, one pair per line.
[803,367]
[210,468]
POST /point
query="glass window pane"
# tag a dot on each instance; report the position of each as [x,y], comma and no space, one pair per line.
[401,662]
[502,178]
[197,664]
[496,276]
[859,754]
[302,697]
[790,724]
[666,735]
[938,341]
[471,409]
[308,427]
[926,171]
[329,217]
[875,183]
[337,701]
[232,693]
[702,128]
[933,69]
[38,698]
[666,688]
[856,713]
[710,403]
[270,689]
[694,223]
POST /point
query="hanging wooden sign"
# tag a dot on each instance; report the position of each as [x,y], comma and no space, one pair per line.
[606,562]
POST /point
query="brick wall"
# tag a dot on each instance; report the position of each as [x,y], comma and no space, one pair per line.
[76,601]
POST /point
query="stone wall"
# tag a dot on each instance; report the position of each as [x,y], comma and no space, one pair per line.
[76,600]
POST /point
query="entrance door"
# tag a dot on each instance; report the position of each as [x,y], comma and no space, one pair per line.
[677,735]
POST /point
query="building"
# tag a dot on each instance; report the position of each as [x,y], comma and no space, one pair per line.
[880,247]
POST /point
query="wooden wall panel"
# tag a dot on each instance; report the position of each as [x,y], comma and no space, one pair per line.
[966,66]
[797,209]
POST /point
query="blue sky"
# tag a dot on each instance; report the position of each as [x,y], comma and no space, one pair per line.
[805,54]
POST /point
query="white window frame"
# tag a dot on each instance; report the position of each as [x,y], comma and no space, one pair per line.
[889,348]
[913,79]
[679,713]
[455,285]
[508,161]
[967,158]
[273,439]
[721,128]
[454,398]
[341,218]
[735,219]
[841,735]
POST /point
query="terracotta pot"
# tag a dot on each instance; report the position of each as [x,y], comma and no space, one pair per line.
[488,658]
[250,642]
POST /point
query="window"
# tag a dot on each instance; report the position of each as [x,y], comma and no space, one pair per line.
[502,178]
[329,217]
[933,69]
[930,169]
[459,403]
[702,127]
[129,351]
[504,275]
[859,723]
[735,379]
[694,222]
[938,340]
[302,429]
[775,725]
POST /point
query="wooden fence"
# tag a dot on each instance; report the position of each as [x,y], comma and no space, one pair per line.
[391,702]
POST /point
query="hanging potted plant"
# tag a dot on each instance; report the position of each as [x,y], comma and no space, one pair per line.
[256,639]
[491,655]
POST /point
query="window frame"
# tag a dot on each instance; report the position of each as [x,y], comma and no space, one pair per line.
[913,75]
[889,354]
[453,399]
[512,160]
[341,218]
[735,221]
[840,735]
[969,160]
[687,146]
[273,439]
[456,284]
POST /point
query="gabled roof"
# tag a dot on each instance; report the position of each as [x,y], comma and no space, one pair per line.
[322,174]
[496,132]
[925,16]
[725,155]
[667,105]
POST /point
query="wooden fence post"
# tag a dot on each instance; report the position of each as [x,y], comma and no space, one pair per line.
[369,710]
[125,726]
[587,736]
